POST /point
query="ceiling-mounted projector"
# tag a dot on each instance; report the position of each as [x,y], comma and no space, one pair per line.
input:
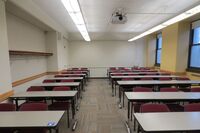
[119,16]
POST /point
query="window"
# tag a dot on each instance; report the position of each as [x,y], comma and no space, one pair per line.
[194,53]
[158,49]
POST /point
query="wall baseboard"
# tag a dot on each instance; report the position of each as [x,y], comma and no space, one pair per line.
[6,95]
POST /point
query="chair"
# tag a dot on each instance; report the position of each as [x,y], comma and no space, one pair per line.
[146,78]
[7,107]
[84,68]
[165,79]
[119,74]
[36,106]
[75,68]
[67,80]
[186,87]
[136,105]
[165,74]
[192,107]
[33,107]
[173,107]
[168,89]
[152,107]
[126,79]
[49,81]
[77,72]
[35,88]
[59,76]
[196,89]
[66,72]
[61,103]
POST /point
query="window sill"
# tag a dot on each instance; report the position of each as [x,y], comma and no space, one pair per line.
[195,70]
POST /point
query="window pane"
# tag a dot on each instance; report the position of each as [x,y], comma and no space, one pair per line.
[158,58]
[195,55]
[196,38]
[159,42]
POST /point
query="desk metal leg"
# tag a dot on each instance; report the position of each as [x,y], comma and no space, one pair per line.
[73,108]
[128,115]
[123,92]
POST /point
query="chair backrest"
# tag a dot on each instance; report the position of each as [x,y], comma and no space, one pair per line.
[61,88]
[66,72]
[84,68]
[132,74]
[150,73]
[165,74]
[75,68]
[36,88]
[7,107]
[146,78]
[118,74]
[168,89]
[77,72]
[125,79]
[196,89]
[192,107]
[151,107]
[182,78]
[49,81]
[67,80]
[33,107]
[142,89]
[113,68]
[74,75]
[59,76]
[165,79]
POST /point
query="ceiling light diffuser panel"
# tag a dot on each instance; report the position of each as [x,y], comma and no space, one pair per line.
[74,10]
[173,20]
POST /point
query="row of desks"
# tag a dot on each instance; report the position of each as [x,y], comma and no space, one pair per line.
[159,122]
[43,119]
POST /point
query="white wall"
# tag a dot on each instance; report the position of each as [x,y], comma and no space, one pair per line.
[5,78]
[151,50]
[99,55]
[62,48]
[25,36]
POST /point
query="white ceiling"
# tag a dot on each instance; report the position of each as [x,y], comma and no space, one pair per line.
[142,15]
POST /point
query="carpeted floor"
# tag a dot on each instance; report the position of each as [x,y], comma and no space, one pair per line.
[99,112]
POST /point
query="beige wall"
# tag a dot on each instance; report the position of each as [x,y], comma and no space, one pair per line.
[151,50]
[99,55]
[169,48]
[5,78]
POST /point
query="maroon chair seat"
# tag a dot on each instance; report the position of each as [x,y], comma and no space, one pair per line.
[35,88]
[152,107]
[61,103]
[33,107]
[192,107]
[67,80]
[196,89]
[173,107]
[7,107]
[49,81]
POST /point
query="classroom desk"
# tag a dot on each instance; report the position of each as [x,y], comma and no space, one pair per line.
[71,95]
[30,119]
[76,79]
[155,77]
[87,72]
[74,85]
[124,71]
[75,75]
[169,122]
[159,97]
[156,83]
[137,73]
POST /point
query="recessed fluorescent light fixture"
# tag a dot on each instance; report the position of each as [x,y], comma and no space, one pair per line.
[74,10]
[176,19]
